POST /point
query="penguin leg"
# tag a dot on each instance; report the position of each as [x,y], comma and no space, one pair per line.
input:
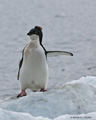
[42,90]
[23,93]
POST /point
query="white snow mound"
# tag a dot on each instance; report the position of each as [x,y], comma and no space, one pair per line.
[74,100]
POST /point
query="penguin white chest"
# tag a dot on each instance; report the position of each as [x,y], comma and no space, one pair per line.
[34,70]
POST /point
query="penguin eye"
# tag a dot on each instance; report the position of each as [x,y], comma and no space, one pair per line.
[35,32]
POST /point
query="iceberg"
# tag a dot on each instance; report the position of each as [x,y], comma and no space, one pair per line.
[74,100]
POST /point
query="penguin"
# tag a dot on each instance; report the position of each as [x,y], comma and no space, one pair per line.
[33,67]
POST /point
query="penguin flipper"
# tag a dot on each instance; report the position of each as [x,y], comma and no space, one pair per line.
[57,53]
[20,63]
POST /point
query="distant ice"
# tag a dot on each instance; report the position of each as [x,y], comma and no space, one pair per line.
[74,100]
[60,15]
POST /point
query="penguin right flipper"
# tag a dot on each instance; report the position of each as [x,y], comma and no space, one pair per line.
[20,63]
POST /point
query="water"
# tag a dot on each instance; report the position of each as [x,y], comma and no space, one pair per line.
[67,25]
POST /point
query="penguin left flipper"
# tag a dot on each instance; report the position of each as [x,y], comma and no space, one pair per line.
[57,53]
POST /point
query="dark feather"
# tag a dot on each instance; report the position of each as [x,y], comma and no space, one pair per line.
[44,50]
[20,63]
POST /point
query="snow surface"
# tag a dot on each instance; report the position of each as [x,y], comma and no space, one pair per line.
[74,100]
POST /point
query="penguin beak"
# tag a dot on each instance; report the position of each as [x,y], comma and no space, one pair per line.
[28,33]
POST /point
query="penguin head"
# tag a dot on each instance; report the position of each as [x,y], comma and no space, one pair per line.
[36,32]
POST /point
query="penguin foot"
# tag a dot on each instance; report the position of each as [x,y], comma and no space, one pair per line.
[23,93]
[42,90]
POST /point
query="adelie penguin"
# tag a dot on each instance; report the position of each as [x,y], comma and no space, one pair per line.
[33,68]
